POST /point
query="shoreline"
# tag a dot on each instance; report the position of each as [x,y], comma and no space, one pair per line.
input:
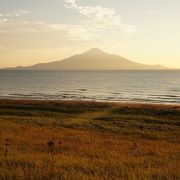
[114,103]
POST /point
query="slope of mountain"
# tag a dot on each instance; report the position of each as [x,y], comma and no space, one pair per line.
[94,59]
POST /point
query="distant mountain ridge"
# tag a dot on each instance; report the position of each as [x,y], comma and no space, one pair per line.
[94,59]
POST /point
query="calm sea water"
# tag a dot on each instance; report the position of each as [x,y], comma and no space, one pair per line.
[136,86]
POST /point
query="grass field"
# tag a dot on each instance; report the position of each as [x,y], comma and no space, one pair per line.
[88,140]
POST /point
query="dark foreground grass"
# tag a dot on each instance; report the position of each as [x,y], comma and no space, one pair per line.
[88,140]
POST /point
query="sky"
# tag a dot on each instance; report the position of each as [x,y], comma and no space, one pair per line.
[37,31]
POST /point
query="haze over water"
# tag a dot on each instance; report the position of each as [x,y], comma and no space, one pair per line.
[135,86]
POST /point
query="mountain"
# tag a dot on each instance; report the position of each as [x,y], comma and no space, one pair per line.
[94,59]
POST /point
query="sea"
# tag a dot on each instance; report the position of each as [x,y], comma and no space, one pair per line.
[114,86]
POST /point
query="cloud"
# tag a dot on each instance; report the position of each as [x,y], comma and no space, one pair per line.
[16,13]
[129,29]
[100,17]
[101,22]
[71,3]
[152,12]
[98,14]
[4,20]
[21,13]
[72,32]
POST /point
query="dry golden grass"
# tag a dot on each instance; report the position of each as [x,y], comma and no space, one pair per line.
[88,140]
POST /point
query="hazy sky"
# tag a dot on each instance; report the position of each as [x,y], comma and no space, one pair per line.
[33,31]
